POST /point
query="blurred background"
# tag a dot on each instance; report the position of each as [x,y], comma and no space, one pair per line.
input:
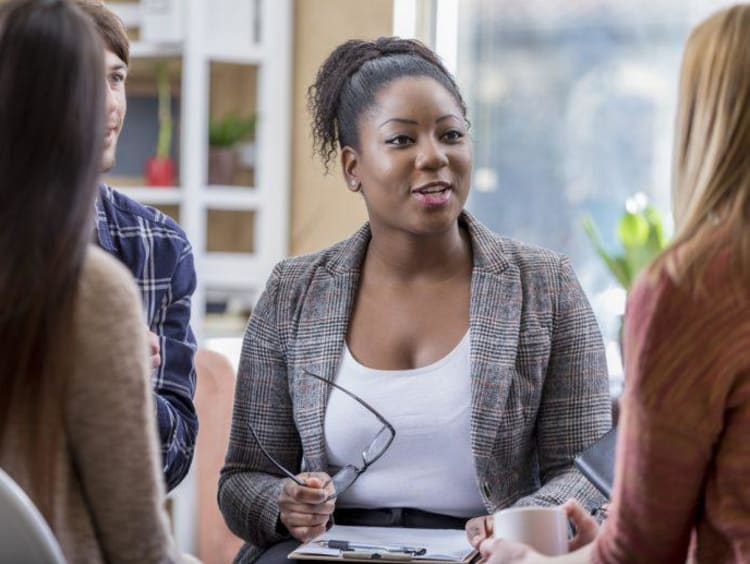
[571,104]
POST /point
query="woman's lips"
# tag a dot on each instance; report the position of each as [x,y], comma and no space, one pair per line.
[433,195]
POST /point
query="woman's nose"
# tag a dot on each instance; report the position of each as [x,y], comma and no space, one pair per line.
[431,155]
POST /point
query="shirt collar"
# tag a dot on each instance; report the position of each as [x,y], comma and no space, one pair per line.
[103,236]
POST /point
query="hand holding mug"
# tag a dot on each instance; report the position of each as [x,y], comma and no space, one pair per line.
[586,527]
[544,529]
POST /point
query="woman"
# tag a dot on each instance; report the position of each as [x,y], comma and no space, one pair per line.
[77,429]
[475,361]
[681,489]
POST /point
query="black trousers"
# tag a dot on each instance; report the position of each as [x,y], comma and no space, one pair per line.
[390,517]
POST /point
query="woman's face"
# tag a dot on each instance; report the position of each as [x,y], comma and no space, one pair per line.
[414,158]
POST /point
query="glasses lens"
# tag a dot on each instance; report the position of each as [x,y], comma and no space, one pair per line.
[344,478]
[378,445]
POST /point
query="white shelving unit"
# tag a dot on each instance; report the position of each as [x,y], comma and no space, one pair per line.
[260,35]
[263,41]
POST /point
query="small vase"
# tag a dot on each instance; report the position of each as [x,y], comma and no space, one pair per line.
[222,165]
[159,171]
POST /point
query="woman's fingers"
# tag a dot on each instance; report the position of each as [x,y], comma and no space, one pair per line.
[478,529]
[304,510]
[501,551]
[291,506]
[306,534]
[295,519]
[586,527]
[311,493]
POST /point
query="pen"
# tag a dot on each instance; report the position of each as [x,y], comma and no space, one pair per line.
[346,545]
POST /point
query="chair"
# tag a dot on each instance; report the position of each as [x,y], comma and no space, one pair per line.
[24,534]
[214,399]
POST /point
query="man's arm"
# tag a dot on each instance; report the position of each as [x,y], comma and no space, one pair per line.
[174,379]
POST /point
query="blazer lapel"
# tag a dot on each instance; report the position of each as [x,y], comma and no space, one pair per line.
[495,312]
[322,325]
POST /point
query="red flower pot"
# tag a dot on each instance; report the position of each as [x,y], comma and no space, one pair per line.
[159,172]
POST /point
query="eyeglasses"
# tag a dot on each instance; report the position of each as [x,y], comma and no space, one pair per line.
[345,476]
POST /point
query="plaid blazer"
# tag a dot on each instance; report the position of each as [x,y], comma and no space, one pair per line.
[539,381]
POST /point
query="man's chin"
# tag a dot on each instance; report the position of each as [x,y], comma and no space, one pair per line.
[108,162]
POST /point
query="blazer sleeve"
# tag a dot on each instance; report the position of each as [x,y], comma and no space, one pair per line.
[575,407]
[249,485]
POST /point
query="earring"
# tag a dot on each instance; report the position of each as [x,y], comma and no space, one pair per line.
[355,185]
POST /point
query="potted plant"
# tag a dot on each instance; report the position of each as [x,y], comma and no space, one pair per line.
[641,235]
[160,167]
[223,136]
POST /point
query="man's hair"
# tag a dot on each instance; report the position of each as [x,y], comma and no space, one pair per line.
[109,26]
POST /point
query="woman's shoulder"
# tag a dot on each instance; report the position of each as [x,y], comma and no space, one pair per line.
[532,262]
[342,257]
[106,289]
[493,247]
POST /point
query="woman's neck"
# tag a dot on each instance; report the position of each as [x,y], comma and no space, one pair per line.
[406,257]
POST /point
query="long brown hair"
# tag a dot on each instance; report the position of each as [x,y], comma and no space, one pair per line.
[51,133]
[711,172]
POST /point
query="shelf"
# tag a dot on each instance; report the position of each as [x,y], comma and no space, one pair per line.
[231,198]
[128,12]
[153,195]
[231,270]
[144,50]
[250,55]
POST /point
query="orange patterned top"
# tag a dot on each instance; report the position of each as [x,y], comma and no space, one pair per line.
[682,478]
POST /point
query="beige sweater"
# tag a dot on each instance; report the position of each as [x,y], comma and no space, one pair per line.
[109,504]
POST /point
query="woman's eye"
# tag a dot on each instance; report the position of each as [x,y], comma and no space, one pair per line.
[117,77]
[399,140]
[453,135]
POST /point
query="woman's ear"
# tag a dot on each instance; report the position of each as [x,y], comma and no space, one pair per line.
[349,164]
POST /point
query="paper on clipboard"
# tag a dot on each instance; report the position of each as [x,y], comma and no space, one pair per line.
[442,545]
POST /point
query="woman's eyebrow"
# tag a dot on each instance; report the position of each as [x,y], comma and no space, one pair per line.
[415,122]
[399,120]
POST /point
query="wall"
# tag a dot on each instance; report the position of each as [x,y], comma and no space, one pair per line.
[323,210]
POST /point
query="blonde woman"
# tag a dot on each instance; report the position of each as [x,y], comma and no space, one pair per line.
[682,489]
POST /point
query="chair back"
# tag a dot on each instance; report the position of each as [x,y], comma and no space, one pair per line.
[24,534]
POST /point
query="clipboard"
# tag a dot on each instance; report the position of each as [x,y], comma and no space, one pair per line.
[597,462]
[441,546]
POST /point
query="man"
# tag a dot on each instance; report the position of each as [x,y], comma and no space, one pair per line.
[157,252]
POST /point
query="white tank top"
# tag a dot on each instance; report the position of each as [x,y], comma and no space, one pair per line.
[429,465]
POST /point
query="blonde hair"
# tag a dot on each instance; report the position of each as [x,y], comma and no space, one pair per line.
[711,169]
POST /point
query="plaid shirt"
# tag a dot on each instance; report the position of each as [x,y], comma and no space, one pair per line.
[156,251]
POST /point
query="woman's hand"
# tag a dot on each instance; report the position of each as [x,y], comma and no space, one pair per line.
[304,510]
[501,551]
[478,529]
[586,527]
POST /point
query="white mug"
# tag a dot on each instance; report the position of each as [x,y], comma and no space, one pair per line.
[545,529]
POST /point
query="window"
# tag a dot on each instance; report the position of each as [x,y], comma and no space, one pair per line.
[572,105]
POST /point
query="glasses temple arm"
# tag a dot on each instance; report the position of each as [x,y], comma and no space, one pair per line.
[355,397]
[272,460]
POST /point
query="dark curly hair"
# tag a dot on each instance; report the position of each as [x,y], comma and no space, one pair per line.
[351,76]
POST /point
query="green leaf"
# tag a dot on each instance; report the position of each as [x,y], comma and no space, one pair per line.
[633,230]
[616,264]
[230,130]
